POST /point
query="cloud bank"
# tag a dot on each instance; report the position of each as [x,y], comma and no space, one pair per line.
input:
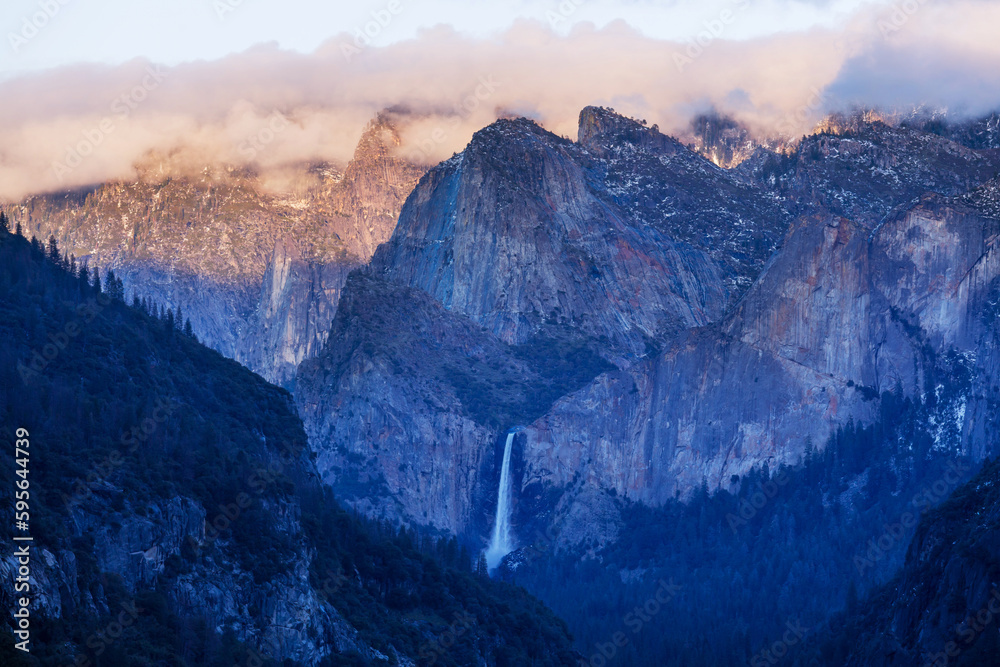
[269,108]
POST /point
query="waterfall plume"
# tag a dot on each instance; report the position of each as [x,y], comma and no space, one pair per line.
[501,543]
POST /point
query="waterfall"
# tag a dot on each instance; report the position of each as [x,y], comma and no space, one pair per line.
[501,544]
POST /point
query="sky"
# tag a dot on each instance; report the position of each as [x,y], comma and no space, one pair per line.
[175,31]
[93,89]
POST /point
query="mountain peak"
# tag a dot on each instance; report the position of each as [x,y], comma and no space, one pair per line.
[379,138]
[506,132]
[602,127]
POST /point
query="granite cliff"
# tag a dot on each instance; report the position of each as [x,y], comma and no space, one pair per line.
[725,360]
[258,273]
[523,247]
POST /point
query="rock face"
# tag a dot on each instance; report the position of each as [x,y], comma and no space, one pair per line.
[642,246]
[662,184]
[863,169]
[199,243]
[229,253]
[296,622]
[837,316]
[302,282]
[518,231]
[298,300]
[395,435]
[408,403]
[722,399]
[513,266]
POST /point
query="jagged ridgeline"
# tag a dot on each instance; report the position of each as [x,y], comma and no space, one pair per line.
[177,518]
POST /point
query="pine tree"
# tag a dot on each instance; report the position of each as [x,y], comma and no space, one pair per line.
[4,223]
[114,286]
[188,331]
[170,320]
[17,229]
[54,250]
[482,570]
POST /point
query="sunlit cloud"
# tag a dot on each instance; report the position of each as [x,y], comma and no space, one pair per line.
[83,124]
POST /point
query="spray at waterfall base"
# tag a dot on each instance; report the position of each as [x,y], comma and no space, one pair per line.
[502,542]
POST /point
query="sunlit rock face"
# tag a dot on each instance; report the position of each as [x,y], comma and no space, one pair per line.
[257,272]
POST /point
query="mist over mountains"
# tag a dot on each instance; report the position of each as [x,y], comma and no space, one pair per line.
[86,124]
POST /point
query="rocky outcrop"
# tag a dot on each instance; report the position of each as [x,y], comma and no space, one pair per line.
[228,252]
[837,316]
[297,303]
[362,205]
[395,436]
[862,168]
[285,618]
[662,184]
[408,403]
[201,243]
[518,232]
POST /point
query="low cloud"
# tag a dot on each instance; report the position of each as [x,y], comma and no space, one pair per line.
[271,108]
